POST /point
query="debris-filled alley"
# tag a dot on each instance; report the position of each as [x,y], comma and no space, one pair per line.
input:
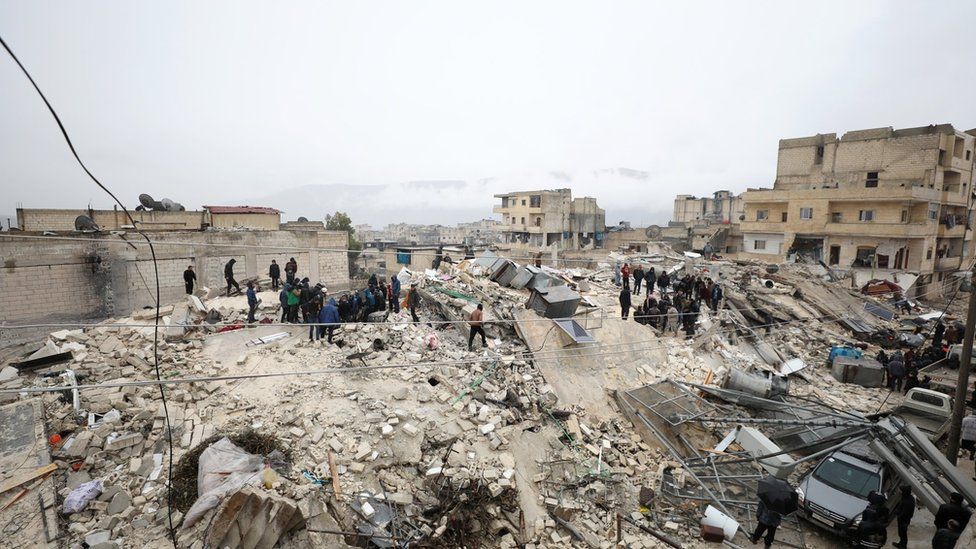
[574,425]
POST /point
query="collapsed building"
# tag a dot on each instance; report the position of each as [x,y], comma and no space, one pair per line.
[574,427]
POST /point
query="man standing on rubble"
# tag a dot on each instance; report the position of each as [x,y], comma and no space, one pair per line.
[395,292]
[413,301]
[477,323]
[650,278]
[229,276]
[663,281]
[189,277]
[329,316]
[955,511]
[290,269]
[625,276]
[624,301]
[947,536]
[767,521]
[638,278]
[937,334]
[274,271]
[252,302]
[716,296]
[283,299]
[896,371]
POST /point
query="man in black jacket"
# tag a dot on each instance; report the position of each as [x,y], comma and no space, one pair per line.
[624,302]
[274,271]
[904,512]
[946,537]
[189,277]
[954,510]
[229,276]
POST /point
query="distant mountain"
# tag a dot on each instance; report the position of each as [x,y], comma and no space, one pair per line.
[625,195]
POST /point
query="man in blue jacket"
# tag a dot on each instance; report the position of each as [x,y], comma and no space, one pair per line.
[252,302]
[395,294]
[329,316]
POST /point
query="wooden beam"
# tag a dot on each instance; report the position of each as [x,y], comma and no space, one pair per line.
[16,481]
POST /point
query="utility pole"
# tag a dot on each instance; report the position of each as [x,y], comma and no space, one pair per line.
[962,383]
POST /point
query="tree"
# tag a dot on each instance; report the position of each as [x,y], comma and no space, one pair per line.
[340,221]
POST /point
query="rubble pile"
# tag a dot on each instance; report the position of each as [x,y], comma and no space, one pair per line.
[422,440]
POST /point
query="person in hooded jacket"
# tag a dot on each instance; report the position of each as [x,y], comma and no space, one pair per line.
[329,317]
[229,276]
[663,282]
[274,271]
[638,278]
[283,299]
[624,302]
[312,316]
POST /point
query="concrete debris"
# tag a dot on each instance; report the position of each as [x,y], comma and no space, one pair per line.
[519,443]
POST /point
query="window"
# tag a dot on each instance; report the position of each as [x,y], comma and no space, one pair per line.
[968,154]
[928,253]
[538,222]
[818,156]
[762,215]
[933,211]
[523,219]
[403,257]
[872,180]
[866,215]
[513,221]
[523,203]
[535,201]
[783,217]
[806,213]
[904,216]
[837,217]
[758,244]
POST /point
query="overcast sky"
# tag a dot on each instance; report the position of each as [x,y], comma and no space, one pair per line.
[235,102]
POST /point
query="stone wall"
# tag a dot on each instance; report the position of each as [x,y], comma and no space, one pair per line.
[44,280]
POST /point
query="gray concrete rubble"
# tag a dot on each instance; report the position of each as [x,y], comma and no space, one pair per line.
[526,442]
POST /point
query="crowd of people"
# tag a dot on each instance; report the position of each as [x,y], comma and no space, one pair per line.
[674,306]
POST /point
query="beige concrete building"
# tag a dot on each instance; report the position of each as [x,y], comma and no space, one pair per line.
[721,207]
[882,199]
[545,218]
[221,217]
[243,217]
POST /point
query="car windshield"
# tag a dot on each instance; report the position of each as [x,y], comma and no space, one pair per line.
[847,478]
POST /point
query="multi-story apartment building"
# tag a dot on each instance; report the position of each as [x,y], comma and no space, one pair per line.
[721,207]
[551,218]
[874,199]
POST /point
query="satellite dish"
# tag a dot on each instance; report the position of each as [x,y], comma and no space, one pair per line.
[772,269]
[146,201]
[86,224]
[303,220]
[653,231]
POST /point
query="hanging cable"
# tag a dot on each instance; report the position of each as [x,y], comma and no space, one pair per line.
[152,250]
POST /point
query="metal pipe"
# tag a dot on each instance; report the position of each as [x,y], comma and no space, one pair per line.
[923,491]
[654,533]
[958,481]
[846,438]
[759,421]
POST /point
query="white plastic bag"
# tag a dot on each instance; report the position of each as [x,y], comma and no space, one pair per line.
[78,499]
[223,470]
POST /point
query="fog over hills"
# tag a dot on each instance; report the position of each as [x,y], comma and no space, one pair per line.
[625,194]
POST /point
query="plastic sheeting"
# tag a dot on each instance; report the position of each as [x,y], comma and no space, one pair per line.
[78,499]
[224,468]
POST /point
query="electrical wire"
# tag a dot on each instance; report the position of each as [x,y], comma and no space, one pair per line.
[152,250]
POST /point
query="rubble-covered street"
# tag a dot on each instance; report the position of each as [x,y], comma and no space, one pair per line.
[396,435]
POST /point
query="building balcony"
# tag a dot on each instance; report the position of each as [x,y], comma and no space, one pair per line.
[878,229]
[957,231]
[763,227]
[948,263]
[498,208]
[531,229]
[882,193]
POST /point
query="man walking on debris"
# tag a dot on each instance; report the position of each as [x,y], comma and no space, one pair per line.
[312,317]
[716,296]
[650,278]
[252,301]
[624,302]
[229,276]
[904,513]
[329,316]
[663,282]
[189,277]
[638,278]
[767,521]
[274,271]
[477,326]
[896,371]
[413,301]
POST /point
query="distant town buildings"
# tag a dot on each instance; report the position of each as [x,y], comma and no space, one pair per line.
[721,207]
[881,199]
[483,232]
[547,218]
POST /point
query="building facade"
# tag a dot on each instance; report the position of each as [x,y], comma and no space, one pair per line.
[546,218]
[721,207]
[879,199]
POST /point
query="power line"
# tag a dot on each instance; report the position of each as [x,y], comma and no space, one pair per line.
[152,250]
